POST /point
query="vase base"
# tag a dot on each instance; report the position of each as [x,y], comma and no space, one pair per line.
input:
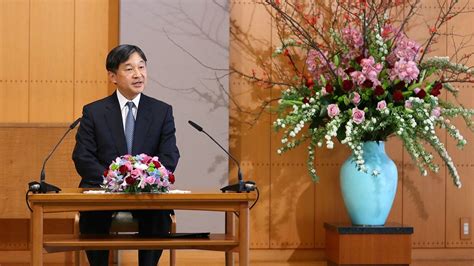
[368,225]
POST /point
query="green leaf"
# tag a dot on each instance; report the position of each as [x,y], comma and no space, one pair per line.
[346,100]
[341,133]
[336,60]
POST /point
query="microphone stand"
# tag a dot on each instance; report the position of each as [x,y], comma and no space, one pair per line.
[240,186]
[42,186]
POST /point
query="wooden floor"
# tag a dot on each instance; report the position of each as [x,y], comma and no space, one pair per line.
[210,258]
[205,260]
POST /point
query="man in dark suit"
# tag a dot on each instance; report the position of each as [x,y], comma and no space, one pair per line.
[107,132]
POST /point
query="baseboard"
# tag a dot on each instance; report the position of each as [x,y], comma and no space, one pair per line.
[442,254]
[23,257]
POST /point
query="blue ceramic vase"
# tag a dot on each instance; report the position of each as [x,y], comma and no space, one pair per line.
[368,197]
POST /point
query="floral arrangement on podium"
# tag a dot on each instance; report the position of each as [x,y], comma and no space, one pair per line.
[350,72]
[139,173]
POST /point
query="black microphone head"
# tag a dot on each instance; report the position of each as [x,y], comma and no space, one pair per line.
[196,126]
[74,124]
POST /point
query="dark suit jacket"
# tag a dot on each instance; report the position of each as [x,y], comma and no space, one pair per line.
[100,137]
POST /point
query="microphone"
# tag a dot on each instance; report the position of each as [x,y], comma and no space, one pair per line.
[241,186]
[42,186]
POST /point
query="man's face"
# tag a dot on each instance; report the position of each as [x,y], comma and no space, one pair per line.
[130,77]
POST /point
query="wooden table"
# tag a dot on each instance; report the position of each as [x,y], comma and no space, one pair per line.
[73,200]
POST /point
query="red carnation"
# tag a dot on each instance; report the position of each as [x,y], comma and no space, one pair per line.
[305,100]
[347,85]
[349,70]
[421,94]
[329,88]
[378,90]
[436,90]
[123,169]
[397,96]
[367,83]
[359,59]
[156,164]
[106,172]
[130,180]
[400,85]
[171,178]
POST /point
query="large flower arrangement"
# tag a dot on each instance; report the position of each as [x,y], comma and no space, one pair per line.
[363,79]
[140,173]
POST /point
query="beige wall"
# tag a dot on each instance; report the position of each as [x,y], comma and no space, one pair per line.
[292,209]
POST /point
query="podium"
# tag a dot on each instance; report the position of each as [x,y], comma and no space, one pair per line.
[73,200]
[368,245]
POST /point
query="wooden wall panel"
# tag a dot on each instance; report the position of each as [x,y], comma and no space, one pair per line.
[245,133]
[90,40]
[421,209]
[52,67]
[87,91]
[51,40]
[13,101]
[460,202]
[260,213]
[424,206]
[91,45]
[14,55]
[51,101]
[48,47]
[394,149]
[291,207]
[52,55]
[23,150]
[328,199]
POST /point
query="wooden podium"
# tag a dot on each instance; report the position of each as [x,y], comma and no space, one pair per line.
[368,245]
[73,200]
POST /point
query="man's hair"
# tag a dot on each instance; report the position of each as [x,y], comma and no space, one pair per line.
[120,54]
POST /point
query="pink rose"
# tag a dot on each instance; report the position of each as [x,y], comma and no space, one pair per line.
[358,116]
[436,112]
[356,98]
[333,110]
[381,105]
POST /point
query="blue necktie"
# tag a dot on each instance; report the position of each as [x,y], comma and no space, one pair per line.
[129,127]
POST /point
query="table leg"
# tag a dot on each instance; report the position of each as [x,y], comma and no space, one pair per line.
[244,241]
[37,235]
[229,230]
